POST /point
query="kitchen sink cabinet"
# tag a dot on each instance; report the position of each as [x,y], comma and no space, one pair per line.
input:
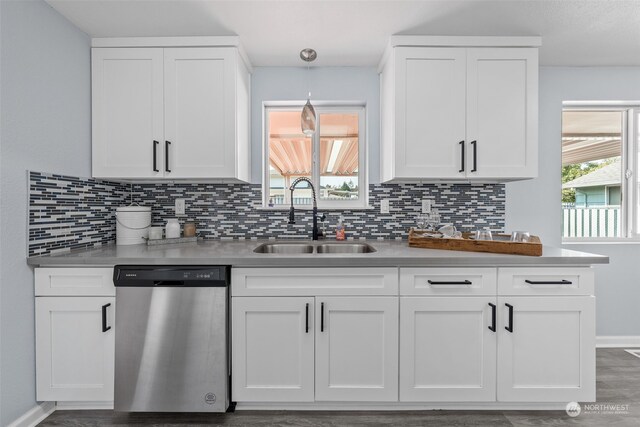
[75,353]
[447,349]
[356,349]
[170,113]
[273,349]
[455,112]
[354,356]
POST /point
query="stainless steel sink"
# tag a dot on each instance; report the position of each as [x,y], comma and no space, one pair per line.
[284,248]
[344,248]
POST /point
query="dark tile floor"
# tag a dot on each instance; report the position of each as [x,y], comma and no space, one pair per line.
[618,382]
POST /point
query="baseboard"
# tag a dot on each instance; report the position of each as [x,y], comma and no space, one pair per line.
[615,341]
[400,406]
[34,415]
[72,406]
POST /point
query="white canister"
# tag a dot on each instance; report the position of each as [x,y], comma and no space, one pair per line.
[172,229]
[132,224]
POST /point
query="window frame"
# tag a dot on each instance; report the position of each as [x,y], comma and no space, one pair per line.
[321,107]
[630,144]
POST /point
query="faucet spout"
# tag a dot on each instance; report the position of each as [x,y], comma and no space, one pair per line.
[292,219]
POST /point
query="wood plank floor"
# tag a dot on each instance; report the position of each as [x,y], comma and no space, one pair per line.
[618,382]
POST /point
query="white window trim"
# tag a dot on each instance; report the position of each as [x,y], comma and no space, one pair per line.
[320,107]
[630,209]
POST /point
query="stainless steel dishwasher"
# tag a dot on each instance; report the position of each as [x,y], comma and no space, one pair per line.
[172,338]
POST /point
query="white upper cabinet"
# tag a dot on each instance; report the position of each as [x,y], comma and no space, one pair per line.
[502,113]
[457,112]
[127,112]
[170,113]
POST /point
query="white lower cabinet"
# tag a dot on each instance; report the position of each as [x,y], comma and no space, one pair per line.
[273,349]
[356,349]
[546,349]
[75,348]
[447,349]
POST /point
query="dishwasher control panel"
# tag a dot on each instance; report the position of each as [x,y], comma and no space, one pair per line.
[155,275]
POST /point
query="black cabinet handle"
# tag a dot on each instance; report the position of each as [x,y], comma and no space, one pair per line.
[492,328]
[321,317]
[549,282]
[510,327]
[461,156]
[475,156]
[166,156]
[155,156]
[306,320]
[105,328]
[461,282]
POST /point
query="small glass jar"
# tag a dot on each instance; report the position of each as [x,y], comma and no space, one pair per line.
[172,229]
[189,229]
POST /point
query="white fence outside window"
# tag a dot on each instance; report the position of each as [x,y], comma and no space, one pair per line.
[593,221]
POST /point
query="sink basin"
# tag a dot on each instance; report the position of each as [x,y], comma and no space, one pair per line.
[284,248]
[345,248]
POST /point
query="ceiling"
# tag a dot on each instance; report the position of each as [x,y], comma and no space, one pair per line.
[355,32]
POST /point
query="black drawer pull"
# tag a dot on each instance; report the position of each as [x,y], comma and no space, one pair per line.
[549,282]
[492,328]
[306,321]
[510,327]
[460,282]
[105,328]
[321,317]
[461,156]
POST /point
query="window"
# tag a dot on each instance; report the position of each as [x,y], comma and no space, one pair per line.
[333,158]
[600,184]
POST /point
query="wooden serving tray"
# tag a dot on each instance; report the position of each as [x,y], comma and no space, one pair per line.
[501,244]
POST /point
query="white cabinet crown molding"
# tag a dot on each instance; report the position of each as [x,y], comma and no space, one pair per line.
[202,41]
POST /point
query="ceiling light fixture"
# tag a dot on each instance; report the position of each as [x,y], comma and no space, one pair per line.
[308,117]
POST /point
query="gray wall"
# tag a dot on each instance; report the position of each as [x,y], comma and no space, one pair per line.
[535,204]
[45,125]
[327,84]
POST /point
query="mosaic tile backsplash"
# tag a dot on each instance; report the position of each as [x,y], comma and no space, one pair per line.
[69,213]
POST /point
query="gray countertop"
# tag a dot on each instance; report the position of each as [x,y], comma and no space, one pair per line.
[240,254]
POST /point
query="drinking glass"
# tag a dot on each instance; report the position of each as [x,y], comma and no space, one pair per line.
[484,235]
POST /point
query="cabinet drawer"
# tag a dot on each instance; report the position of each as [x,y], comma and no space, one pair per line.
[313,281]
[74,282]
[546,281]
[447,281]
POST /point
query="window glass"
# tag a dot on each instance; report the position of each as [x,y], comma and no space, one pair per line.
[332,158]
[290,157]
[592,172]
[339,156]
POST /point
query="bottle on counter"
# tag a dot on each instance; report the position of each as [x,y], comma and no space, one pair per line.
[340,232]
[172,229]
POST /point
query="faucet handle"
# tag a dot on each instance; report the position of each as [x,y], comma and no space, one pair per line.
[292,217]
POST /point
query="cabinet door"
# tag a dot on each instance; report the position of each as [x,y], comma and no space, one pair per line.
[199,91]
[430,112]
[272,349]
[127,116]
[502,121]
[357,349]
[550,354]
[74,354]
[447,349]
